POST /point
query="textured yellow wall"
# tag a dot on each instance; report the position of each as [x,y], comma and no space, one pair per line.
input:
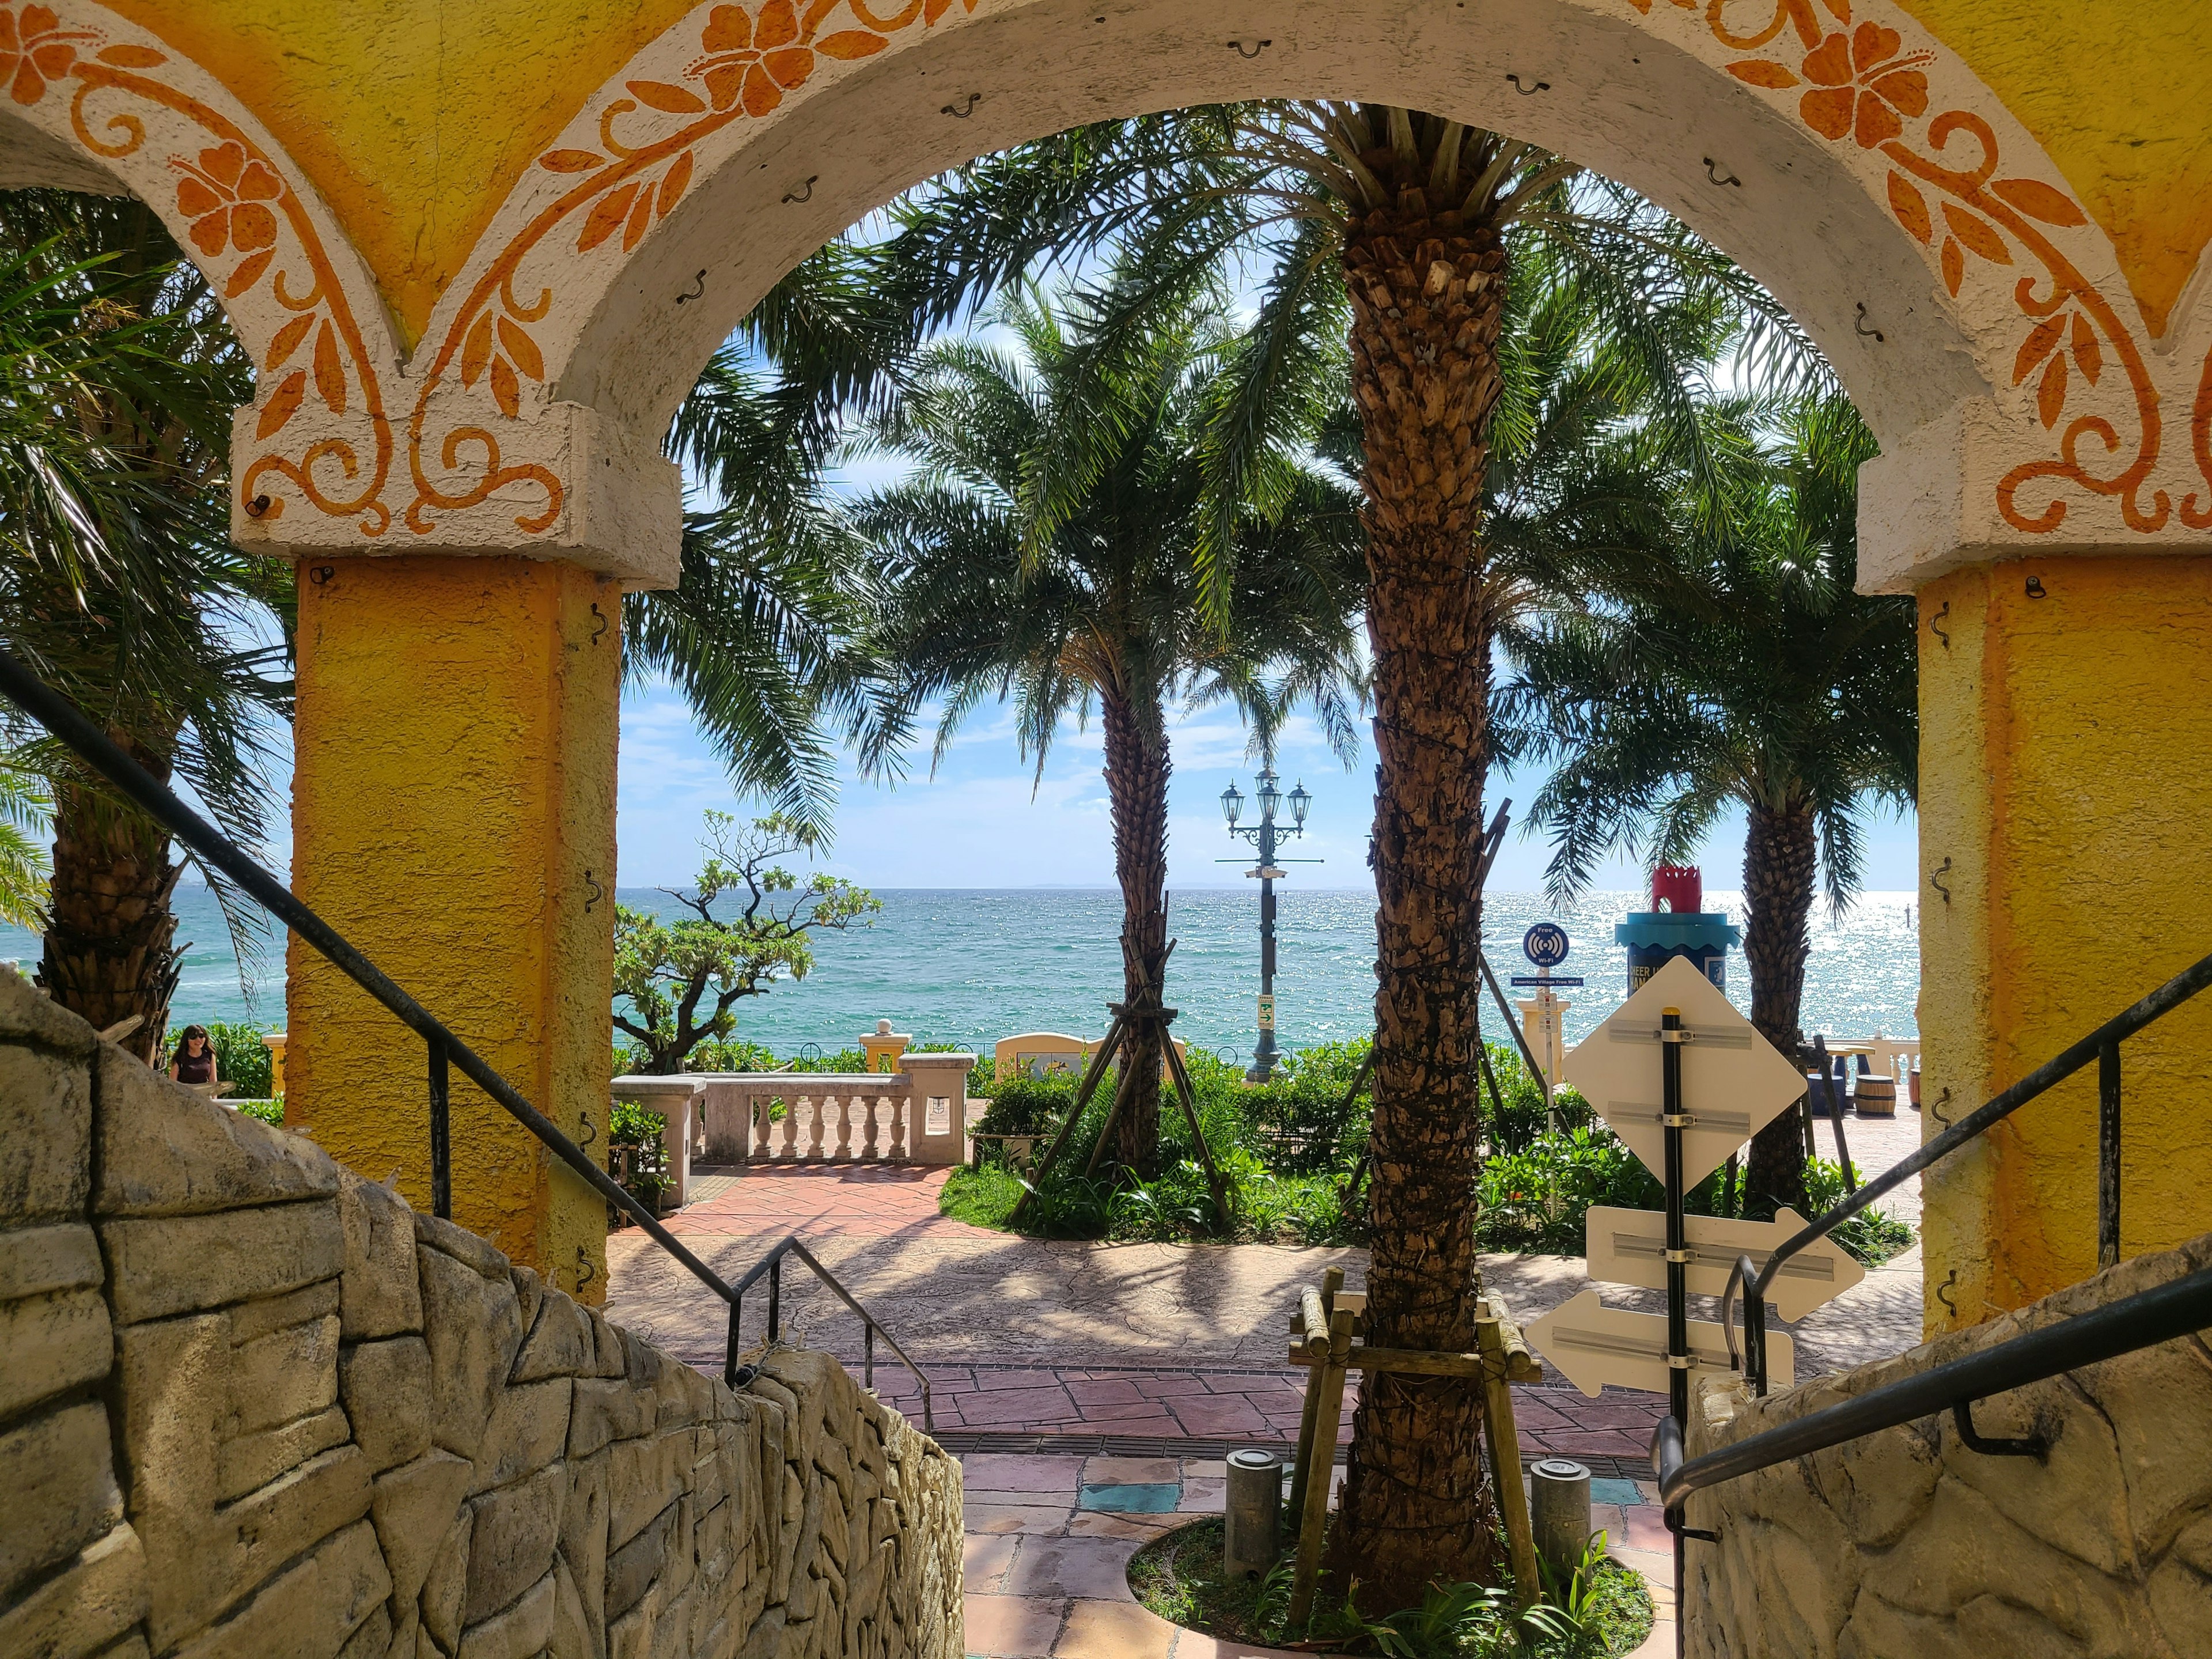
[2118,95]
[2065,795]
[414,118]
[454,784]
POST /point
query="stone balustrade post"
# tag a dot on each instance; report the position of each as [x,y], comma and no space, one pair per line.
[677,1099]
[937,1117]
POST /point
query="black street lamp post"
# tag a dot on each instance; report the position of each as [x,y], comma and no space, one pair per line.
[1264,834]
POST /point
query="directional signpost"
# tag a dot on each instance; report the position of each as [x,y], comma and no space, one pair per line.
[1592,1345]
[1628,1247]
[1684,1080]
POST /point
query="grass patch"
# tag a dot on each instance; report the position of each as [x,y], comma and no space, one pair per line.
[1603,1611]
[981,1198]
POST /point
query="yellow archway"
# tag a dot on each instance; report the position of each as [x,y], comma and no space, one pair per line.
[1992,216]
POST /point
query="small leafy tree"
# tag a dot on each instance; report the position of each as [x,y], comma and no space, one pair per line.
[665,971]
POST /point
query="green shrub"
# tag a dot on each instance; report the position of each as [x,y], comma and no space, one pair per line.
[269,1111]
[1873,1236]
[630,1124]
[1029,1105]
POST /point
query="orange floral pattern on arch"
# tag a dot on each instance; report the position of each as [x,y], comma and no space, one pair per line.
[238,207]
[1855,81]
[749,58]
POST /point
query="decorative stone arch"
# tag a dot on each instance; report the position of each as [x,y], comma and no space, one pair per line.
[1858,167]
[96,104]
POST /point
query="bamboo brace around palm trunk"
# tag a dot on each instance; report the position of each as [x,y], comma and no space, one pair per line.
[1130,1018]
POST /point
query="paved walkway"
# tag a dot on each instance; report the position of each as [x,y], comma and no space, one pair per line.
[1049,1539]
[1068,1376]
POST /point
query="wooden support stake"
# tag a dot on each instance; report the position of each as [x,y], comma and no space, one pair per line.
[1314,1307]
[1189,1095]
[1327,1395]
[1098,1062]
[1505,1454]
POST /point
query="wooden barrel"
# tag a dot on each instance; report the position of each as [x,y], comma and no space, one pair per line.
[1876,1096]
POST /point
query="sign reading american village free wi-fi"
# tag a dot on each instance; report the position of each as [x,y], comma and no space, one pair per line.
[1732,1084]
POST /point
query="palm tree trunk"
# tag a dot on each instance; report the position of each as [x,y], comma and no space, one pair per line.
[1137,785]
[1427,294]
[1779,872]
[110,939]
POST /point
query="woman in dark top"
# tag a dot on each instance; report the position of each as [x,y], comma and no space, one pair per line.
[194,1061]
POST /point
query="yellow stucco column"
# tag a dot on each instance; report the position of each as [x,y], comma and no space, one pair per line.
[2065,806]
[453,815]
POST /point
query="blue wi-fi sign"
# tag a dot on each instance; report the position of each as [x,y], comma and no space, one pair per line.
[1544,945]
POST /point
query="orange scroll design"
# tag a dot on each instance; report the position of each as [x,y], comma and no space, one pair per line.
[628,182]
[251,231]
[2200,438]
[1859,84]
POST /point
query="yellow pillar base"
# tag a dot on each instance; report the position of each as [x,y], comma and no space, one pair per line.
[2065,805]
[453,815]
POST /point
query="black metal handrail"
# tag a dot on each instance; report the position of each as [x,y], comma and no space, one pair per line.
[2102,1045]
[2142,1320]
[771,1266]
[69,723]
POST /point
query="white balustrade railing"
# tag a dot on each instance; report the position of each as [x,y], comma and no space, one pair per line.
[916,1115]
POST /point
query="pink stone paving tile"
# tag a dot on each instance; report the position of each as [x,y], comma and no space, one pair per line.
[1117,1392]
[1106,1470]
[1016,1626]
[1108,1523]
[1094,1567]
[1644,1528]
[1016,1407]
[1113,1630]
[994,1381]
[1022,1472]
[987,1557]
[1161,1387]
[1210,1416]
[1203,1497]
[1123,1416]
[1033,1521]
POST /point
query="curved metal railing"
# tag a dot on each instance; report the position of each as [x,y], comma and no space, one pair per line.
[2101,1045]
[69,724]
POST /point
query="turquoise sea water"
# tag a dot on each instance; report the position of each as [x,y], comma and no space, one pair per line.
[970,967]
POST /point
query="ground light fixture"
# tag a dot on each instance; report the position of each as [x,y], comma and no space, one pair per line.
[1264,834]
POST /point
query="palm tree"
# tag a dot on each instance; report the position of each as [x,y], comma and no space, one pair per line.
[1766,681]
[1042,554]
[119,584]
[764,632]
[1387,229]
[26,816]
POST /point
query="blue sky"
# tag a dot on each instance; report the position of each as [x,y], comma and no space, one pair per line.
[983,821]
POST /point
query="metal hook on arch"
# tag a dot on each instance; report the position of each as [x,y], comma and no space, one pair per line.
[1528,91]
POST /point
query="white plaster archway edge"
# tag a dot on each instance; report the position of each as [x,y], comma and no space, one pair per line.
[1886,195]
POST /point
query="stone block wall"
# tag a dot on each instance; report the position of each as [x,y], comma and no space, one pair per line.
[1904,1545]
[251,1404]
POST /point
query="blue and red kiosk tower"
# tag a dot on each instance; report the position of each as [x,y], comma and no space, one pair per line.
[1676,925]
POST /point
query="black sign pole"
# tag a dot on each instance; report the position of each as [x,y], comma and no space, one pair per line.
[1672,1118]
[1678,1245]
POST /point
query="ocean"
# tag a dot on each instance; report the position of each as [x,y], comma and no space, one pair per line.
[972,966]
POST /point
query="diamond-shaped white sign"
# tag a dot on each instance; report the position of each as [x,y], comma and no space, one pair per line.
[1734,1082]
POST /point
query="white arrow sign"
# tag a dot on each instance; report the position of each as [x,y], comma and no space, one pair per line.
[1734,1082]
[1628,1247]
[1594,1345]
